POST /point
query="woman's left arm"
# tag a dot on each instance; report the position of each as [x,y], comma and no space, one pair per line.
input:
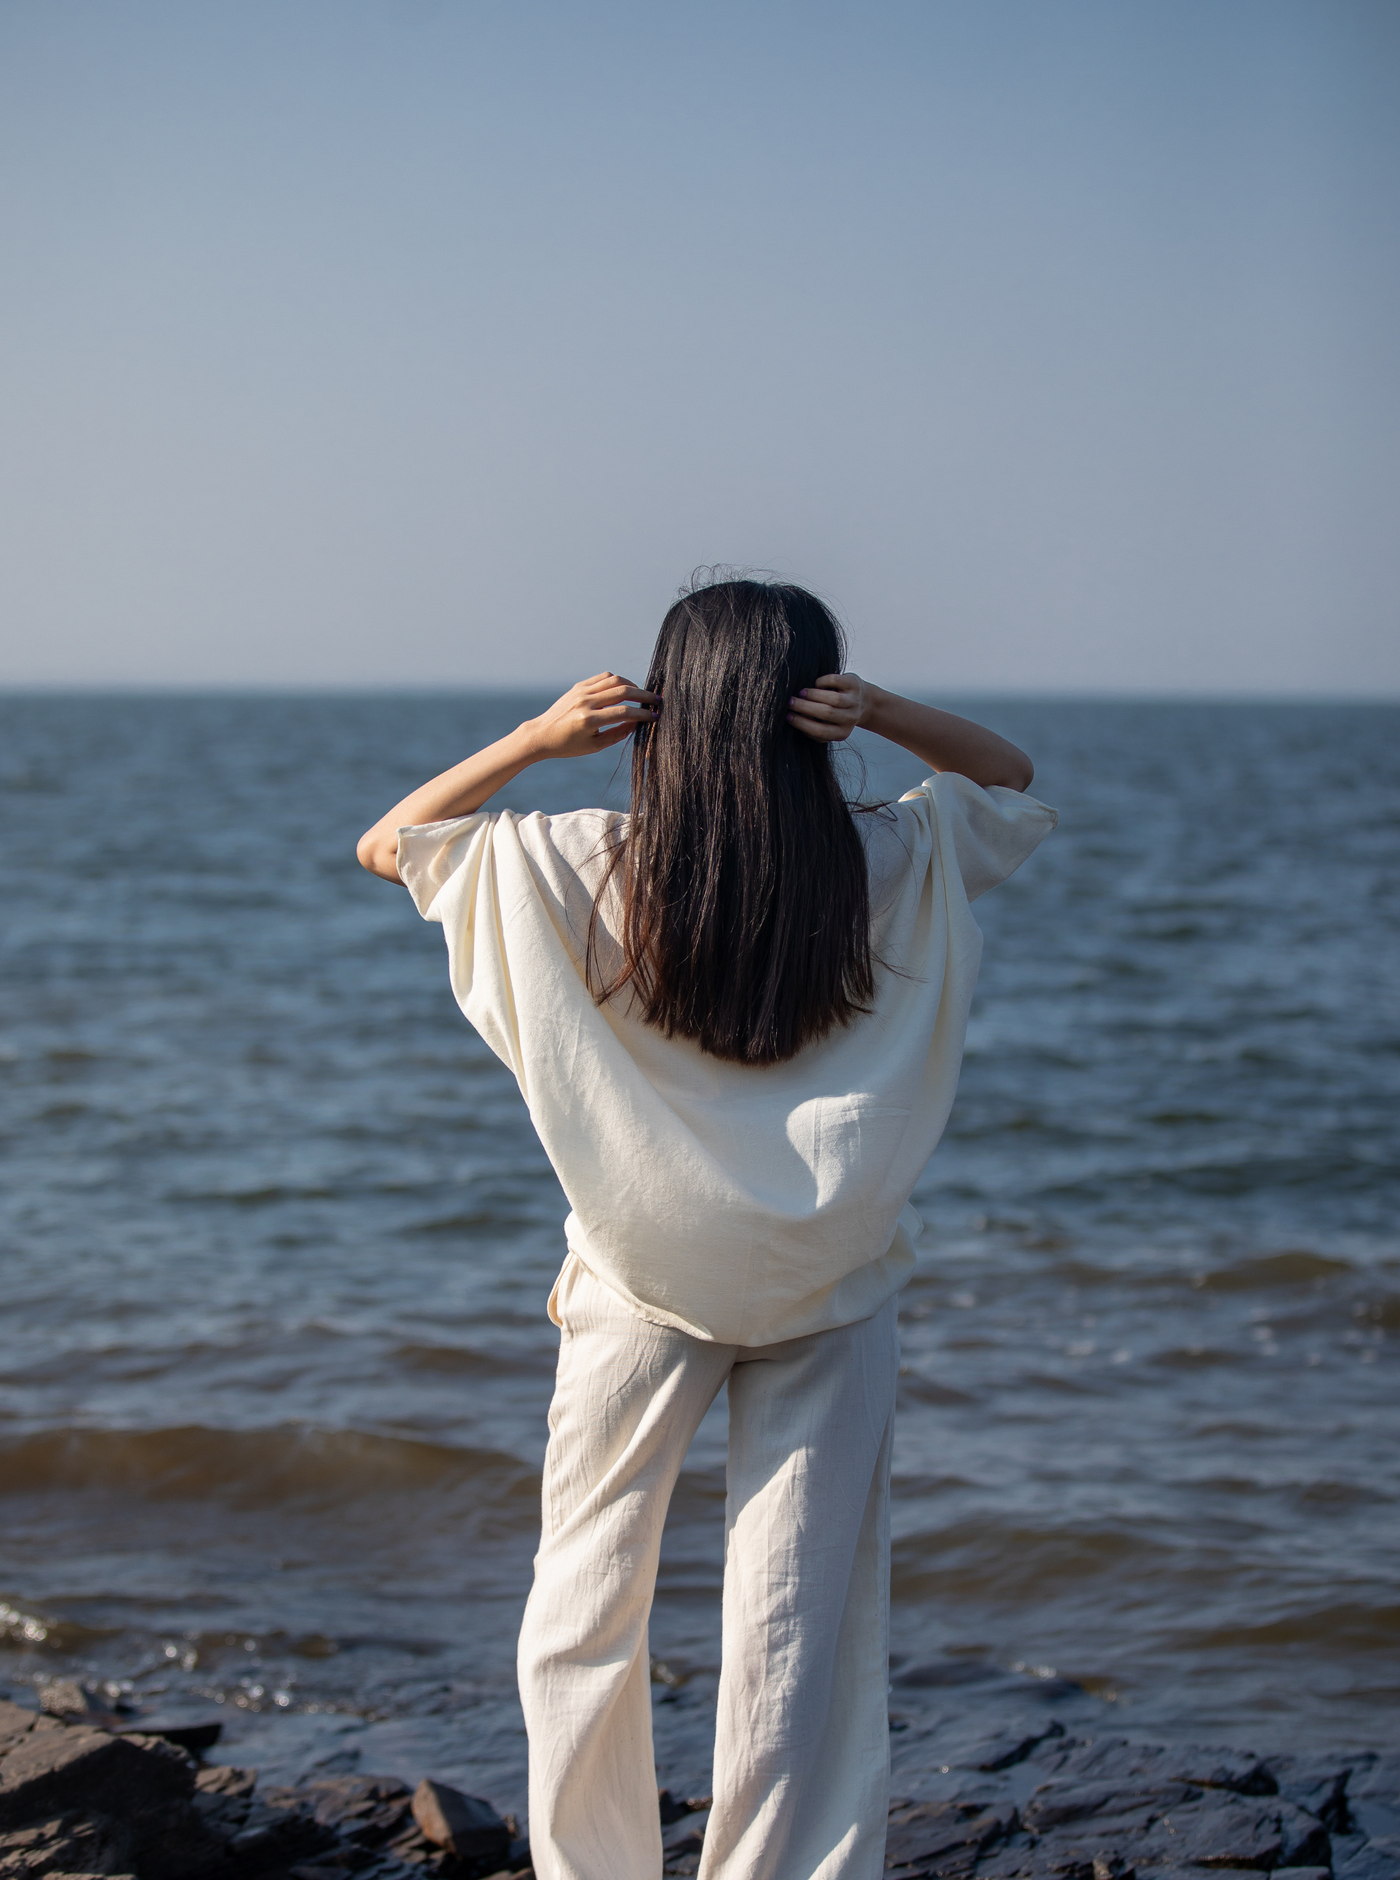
[591,716]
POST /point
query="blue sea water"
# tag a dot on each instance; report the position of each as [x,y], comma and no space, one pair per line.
[276,1237]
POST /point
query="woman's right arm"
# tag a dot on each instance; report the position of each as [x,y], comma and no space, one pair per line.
[592,716]
[833,707]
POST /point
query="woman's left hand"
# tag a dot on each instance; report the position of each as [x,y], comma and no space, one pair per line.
[832,708]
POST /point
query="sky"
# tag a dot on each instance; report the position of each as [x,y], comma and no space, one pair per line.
[428,342]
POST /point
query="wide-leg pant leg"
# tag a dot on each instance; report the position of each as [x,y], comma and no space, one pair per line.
[628,1399]
[802,1744]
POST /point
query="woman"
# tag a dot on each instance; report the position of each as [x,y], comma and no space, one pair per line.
[737,1017]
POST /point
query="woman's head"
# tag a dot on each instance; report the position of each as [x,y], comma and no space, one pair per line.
[746,906]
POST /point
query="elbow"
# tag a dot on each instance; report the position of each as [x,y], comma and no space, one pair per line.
[1013,773]
[377,856]
[1020,772]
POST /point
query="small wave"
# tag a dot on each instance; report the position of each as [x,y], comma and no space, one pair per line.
[472,1221]
[1010,1561]
[264,1197]
[28,1626]
[1344,1627]
[1195,1358]
[462,1361]
[916,1389]
[257,1468]
[1292,1267]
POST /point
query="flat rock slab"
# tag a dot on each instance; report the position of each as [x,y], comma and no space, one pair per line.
[1115,1759]
[1063,1804]
[945,1838]
[68,1843]
[53,1771]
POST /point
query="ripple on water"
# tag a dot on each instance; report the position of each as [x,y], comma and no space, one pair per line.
[278,1237]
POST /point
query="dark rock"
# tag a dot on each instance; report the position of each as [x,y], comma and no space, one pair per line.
[1217,1832]
[77,1768]
[193,1734]
[174,1841]
[1021,1748]
[1306,1842]
[945,1838]
[1113,1759]
[367,1811]
[82,1703]
[224,1814]
[1056,1804]
[1371,1861]
[224,1779]
[72,1702]
[74,1843]
[16,1722]
[1241,1775]
[1113,1867]
[276,1835]
[463,1824]
[1376,1817]
[1323,1793]
[672,1807]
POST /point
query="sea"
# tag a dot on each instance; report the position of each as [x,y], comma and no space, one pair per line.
[276,1239]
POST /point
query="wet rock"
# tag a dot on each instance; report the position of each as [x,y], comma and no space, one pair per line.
[73,1843]
[16,1722]
[366,1811]
[78,1768]
[1110,1809]
[944,1838]
[1372,1860]
[188,1733]
[463,1824]
[1114,1759]
[1020,1746]
[223,1798]
[84,1703]
[81,1703]
[275,1837]
[683,1839]
[1057,1804]
[1219,1833]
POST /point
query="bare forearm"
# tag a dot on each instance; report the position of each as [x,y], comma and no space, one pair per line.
[457,792]
[592,716]
[945,742]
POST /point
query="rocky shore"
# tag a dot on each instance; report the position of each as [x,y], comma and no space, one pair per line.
[85,1792]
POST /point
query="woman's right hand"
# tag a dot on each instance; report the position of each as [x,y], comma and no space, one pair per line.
[591,716]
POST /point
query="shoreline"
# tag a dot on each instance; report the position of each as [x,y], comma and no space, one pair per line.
[989,1789]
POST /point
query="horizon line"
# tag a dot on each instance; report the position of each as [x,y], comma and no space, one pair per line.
[1124,695]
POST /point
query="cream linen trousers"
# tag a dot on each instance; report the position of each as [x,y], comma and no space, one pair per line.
[802,1740]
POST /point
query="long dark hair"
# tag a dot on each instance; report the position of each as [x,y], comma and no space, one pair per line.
[746,908]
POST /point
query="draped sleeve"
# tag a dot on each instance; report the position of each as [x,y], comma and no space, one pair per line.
[449,868]
[988,833]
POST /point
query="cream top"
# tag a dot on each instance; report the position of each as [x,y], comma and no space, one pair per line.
[742,1204]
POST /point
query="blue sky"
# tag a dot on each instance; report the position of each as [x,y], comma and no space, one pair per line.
[431,342]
